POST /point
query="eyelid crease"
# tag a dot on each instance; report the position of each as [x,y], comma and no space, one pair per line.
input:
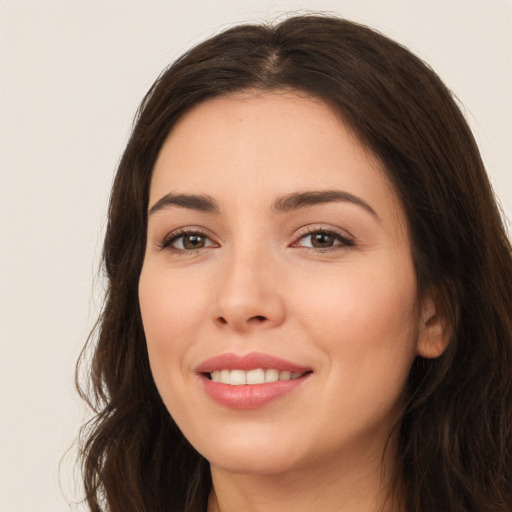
[317,228]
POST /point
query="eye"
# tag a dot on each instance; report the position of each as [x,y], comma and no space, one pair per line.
[186,241]
[323,239]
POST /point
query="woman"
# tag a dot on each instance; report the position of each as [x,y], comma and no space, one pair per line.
[309,288]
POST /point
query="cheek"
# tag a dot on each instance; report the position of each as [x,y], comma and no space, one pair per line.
[368,330]
[173,314]
[168,305]
[170,319]
[367,320]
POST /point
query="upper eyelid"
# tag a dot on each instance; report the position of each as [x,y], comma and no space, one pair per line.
[346,239]
[175,234]
[302,232]
[310,229]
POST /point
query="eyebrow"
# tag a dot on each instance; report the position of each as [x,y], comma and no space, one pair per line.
[290,202]
[300,200]
[202,203]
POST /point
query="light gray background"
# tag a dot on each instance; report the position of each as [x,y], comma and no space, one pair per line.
[71,75]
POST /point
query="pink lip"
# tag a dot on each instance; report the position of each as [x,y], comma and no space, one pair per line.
[246,362]
[249,396]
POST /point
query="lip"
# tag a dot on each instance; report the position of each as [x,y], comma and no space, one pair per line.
[251,361]
[249,396]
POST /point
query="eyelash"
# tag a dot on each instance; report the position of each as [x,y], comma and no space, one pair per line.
[342,237]
[173,237]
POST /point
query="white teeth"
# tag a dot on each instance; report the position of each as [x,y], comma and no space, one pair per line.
[255,376]
[271,375]
[258,376]
[237,378]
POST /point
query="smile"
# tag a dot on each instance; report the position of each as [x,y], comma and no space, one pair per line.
[250,381]
[257,376]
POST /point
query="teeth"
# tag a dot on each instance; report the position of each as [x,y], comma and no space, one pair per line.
[237,378]
[255,376]
[271,375]
[258,376]
[224,376]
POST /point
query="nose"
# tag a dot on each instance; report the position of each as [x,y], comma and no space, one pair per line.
[249,292]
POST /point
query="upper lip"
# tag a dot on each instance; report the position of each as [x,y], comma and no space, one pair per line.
[251,361]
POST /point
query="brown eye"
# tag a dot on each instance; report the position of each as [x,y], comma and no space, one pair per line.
[187,242]
[322,240]
[194,241]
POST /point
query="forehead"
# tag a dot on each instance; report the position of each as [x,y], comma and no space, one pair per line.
[254,145]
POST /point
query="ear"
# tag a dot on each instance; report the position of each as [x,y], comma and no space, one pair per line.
[434,328]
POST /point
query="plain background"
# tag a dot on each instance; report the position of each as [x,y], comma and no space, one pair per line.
[71,75]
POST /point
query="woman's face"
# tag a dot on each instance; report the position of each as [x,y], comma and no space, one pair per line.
[278,293]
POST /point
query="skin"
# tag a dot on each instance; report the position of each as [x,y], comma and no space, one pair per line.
[349,311]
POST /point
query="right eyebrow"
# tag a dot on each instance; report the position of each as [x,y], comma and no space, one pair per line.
[300,200]
[202,203]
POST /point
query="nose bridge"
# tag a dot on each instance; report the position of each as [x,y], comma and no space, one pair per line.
[247,291]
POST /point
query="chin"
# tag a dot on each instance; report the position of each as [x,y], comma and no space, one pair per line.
[261,464]
[252,454]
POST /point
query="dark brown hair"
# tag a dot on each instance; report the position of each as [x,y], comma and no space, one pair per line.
[455,436]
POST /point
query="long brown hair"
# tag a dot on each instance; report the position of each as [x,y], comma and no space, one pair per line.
[455,436]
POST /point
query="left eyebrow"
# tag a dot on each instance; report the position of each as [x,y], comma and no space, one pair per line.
[199,202]
[299,200]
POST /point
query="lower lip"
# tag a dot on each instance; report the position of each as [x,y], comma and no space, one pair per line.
[250,396]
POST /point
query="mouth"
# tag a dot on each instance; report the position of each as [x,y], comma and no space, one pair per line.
[250,381]
[251,377]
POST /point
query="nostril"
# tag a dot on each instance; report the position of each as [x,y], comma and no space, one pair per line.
[258,318]
[253,320]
